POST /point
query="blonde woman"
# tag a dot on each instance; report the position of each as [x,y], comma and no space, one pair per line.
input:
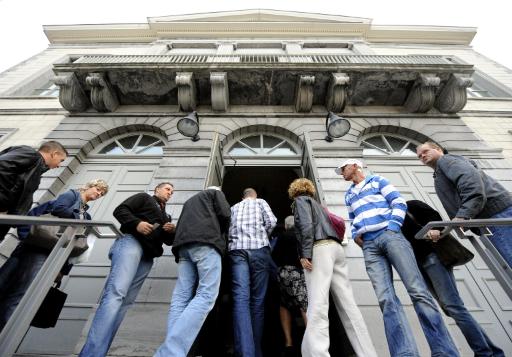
[20,269]
[323,259]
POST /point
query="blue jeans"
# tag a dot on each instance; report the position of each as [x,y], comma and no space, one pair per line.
[249,279]
[128,271]
[199,272]
[16,275]
[444,288]
[391,249]
[502,236]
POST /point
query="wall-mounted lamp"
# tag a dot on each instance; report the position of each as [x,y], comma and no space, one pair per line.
[189,126]
[335,126]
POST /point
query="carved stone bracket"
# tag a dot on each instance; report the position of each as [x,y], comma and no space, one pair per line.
[304,93]
[72,96]
[220,91]
[452,98]
[423,94]
[337,92]
[103,96]
[186,91]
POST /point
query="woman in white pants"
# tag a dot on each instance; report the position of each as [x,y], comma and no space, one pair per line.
[325,268]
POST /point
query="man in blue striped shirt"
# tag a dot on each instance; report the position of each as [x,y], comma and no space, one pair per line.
[377,211]
[252,221]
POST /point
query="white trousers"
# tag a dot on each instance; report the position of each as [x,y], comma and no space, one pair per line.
[330,273]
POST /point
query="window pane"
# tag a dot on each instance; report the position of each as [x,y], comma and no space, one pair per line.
[377,141]
[146,141]
[240,150]
[252,141]
[270,141]
[396,144]
[129,141]
[371,151]
[285,149]
[154,150]
[112,149]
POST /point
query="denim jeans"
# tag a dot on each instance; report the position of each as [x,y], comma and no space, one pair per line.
[444,288]
[16,275]
[128,271]
[391,249]
[199,272]
[502,236]
[249,279]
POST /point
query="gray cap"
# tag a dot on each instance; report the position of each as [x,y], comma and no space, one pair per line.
[348,162]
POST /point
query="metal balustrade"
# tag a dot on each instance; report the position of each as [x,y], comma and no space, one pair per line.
[498,266]
[19,322]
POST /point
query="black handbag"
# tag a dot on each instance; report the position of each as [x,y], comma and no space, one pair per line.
[451,252]
[48,313]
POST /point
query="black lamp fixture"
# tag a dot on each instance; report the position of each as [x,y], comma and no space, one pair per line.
[335,126]
[189,126]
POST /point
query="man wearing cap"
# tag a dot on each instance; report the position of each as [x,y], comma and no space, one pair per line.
[377,212]
[200,242]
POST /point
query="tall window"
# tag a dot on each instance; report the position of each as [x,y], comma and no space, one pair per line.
[387,144]
[134,144]
[262,145]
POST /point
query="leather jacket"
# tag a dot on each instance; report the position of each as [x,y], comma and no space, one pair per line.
[311,224]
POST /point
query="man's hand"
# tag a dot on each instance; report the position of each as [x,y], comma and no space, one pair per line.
[434,235]
[169,227]
[144,228]
[306,263]
[359,241]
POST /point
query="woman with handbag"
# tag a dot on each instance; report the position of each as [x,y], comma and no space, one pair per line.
[436,258]
[325,268]
[20,269]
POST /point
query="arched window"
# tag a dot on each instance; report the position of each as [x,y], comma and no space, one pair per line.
[262,145]
[388,144]
[134,144]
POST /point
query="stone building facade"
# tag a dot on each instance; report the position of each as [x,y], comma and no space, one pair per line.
[262,83]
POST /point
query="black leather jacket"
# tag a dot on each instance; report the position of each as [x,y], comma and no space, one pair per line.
[311,224]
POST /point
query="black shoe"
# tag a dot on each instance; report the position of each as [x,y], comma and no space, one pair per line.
[289,351]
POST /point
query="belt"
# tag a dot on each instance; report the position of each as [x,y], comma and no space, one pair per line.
[323,242]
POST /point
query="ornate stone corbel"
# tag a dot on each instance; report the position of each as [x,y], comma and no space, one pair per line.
[72,96]
[422,96]
[452,98]
[304,93]
[103,96]
[220,91]
[186,91]
[337,93]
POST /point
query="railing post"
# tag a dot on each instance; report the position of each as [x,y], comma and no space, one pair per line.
[20,320]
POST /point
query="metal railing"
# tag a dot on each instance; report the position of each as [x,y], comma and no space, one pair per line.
[19,322]
[498,266]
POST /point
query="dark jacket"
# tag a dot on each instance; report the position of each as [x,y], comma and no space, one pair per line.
[143,207]
[286,250]
[204,219]
[466,191]
[21,168]
[422,214]
[311,224]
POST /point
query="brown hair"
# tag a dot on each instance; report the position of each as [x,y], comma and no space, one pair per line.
[433,145]
[50,146]
[301,186]
[161,184]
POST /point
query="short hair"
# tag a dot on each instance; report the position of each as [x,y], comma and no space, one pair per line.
[99,183]
[49,146]
[248,192]
[289,223]
[433,145]
[301,186]
[162,184]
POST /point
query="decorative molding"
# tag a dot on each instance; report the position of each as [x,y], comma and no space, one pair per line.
[187,93]
[423,94]
[452,97]
[103,96]
[72,96]
[304,93]
[337,92]
[220,91]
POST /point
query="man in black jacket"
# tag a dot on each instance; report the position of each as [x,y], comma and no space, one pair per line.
[198,247]
[21,168]
[146,226]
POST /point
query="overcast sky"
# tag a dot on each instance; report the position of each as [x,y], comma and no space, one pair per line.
[22,35]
